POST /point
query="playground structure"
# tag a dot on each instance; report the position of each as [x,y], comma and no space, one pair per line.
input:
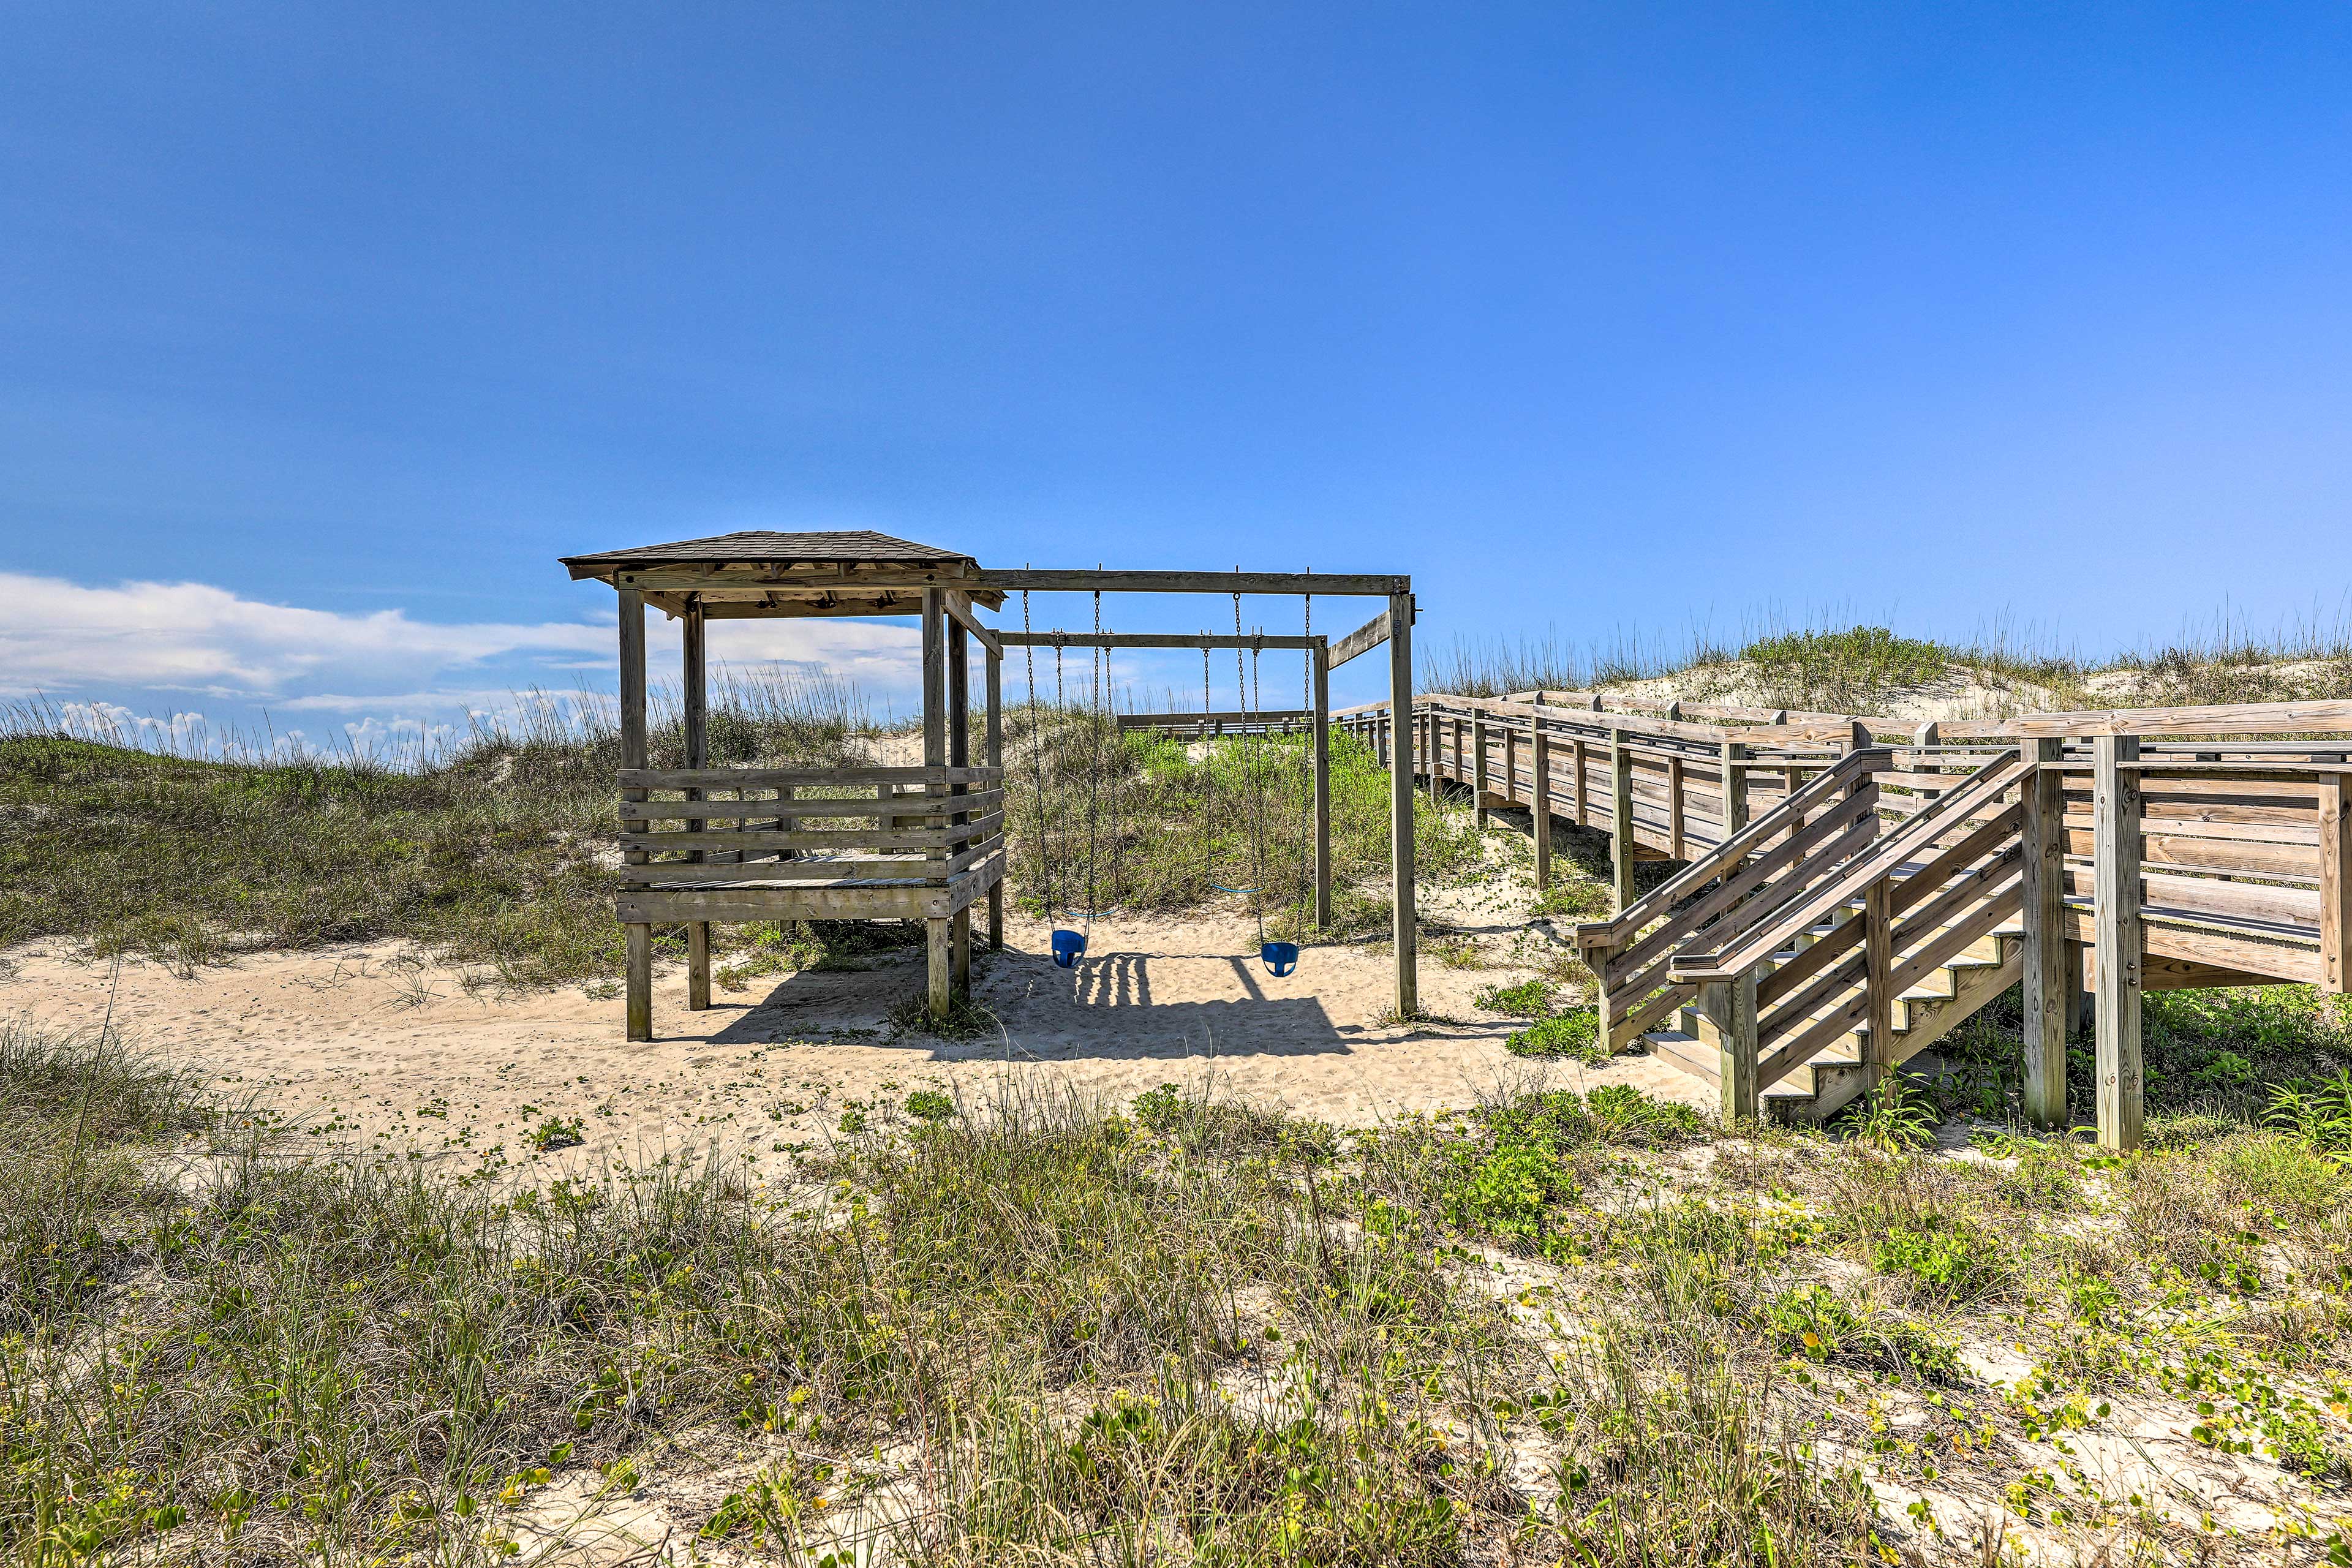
[1845,901]
[701,843]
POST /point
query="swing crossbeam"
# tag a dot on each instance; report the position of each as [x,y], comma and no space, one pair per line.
[1157,639]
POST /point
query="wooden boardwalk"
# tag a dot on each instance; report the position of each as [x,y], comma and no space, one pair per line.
[1845,891]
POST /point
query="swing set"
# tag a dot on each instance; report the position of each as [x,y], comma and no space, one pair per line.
[702,843]
[1069,945]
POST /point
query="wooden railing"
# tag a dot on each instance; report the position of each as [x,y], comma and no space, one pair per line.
[724,827]
[1857,935]
[1724,892]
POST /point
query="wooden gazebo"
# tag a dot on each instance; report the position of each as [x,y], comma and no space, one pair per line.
[743,849]
[701,843]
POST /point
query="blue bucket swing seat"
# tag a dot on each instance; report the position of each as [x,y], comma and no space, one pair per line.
[1068,946]
[1279,957]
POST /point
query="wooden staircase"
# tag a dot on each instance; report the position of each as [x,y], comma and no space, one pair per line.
[1824,1084]
[1816,948]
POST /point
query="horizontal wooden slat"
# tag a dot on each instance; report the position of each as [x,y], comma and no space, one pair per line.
[908,867]
[2248,901]
[913,807]
[818,839]
[667,905]
[796,778]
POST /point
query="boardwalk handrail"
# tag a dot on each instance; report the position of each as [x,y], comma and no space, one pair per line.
[1763,939]
[1726,856]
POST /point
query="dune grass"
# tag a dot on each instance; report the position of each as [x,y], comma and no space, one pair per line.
[1031,1326]
[1148,822]
[497,854]
[1835,665]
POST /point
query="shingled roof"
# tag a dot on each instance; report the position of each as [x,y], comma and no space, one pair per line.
[860,547]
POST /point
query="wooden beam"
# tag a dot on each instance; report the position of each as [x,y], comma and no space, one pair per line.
[960,609]
[2049,1004]
[695,696]
[995,754]
[1360,641]
[1222,716]
[1320,743]
[2334,887]
[1082,582]
[1730,1007]
[1878,978]
[2115,805]
[959,756]
[1159,639]
[941,995]
[1622,847]
[639,963]
[1734,788]
[1401,812]
[2216,718]
[1541,747]
[1477,765]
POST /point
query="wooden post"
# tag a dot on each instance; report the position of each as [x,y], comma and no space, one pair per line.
[1322,750]
[1578,798]
[640,962]
[1735,788]
[695,701]
[2334,887]
[2079,1003]
[1620,818]
[1730,1007]
[942,989]
[1429,751]
[1674,849]
[995,742]
[1510,790]
[960,756]
[1478,768]
[1401,871]
[2048,1002]
[1878,978]
[1539,746]
[2115,812]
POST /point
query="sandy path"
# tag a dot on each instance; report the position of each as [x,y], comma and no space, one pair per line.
[371,1047]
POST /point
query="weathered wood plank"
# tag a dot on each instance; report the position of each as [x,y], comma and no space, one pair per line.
[2116,793]
[797,778]
[2335,888]
[1360,641]
[1160,639]
[2049,1003]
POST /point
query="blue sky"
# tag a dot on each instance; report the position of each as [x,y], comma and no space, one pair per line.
[324,329]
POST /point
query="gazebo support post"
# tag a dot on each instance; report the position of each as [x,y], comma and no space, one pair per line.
[960,756]
[1401,867]
[640,964]
[941,990]
[996,760]
[696,699]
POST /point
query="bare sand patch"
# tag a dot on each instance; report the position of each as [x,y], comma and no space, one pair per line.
[377,1046]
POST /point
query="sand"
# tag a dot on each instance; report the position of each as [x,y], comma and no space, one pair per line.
[377,1047]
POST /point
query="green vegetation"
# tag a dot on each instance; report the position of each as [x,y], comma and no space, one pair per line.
[1528,999]
[497,854]
[1856,668]
[1165,824]
[1575,1035]
[1544,1329]
[1849,671]
[492,854]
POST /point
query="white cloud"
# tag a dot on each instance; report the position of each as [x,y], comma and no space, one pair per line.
[193,638]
